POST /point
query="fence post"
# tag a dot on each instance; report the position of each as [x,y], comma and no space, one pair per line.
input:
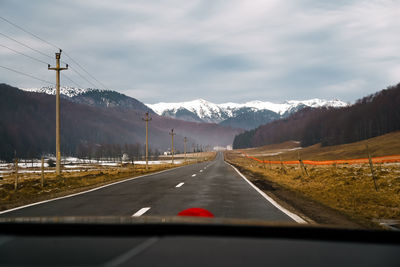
[282,166]
[302,167]
[372,168]
[42,177]
[16,175]
[264,163]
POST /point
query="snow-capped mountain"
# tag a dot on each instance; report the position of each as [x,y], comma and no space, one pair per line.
[64,90]
[202,110]
[94,97]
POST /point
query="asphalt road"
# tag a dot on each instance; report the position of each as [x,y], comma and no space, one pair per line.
[214,186]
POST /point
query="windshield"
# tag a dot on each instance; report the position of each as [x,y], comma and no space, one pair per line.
[281,112]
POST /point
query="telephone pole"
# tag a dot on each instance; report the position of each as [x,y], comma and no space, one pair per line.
[184,146]
[172,146]
[147,119]
[58,69]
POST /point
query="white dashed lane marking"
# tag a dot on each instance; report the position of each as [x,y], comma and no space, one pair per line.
[141,212]
[193,175]
[179,185]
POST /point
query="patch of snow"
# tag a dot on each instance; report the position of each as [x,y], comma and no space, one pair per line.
[64,90]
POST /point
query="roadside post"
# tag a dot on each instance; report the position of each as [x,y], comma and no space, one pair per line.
[172,144]
[371,166]
[16,175]
[42,176]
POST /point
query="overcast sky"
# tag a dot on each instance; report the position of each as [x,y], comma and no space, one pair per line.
[153,50]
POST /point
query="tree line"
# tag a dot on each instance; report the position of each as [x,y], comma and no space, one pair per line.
[114,152]
[371,116]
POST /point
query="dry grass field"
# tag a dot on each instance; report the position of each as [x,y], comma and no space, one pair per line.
[30,189]
[346,188]
[384,145]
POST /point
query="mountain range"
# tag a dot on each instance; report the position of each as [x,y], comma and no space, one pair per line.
[94,97]
[368,117]
[247,115]
[92,118]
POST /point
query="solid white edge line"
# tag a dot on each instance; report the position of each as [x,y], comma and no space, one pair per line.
[141,212]
[295,217]
[88,191]
[179,185]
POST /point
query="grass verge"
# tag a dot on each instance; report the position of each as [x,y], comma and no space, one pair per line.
[348,189]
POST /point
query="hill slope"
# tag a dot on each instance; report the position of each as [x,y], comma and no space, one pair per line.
[27,126]
[95,97]
[370,116]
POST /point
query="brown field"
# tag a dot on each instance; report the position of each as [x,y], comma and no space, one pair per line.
[348,189]
[384,145]
[30,189]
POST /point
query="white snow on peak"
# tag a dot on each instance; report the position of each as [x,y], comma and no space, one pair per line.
[211,112]
[64,90]
[202,108]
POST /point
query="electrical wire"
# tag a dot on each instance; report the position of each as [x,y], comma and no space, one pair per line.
[26,74]
[23,54]
[55,46]
[68,78]
[83,77]
[80,66]
[28,32]
[40,61]
[27,46]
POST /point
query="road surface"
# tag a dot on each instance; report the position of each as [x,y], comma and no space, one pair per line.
[215,186]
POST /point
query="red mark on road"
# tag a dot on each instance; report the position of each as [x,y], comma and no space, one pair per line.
[199,212]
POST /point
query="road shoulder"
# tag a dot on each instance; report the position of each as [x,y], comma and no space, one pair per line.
[312,211]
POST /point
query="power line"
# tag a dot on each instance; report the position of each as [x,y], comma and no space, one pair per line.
[36,59]
[105,87]
[83,77]
[28,32]
[55,46]
[41,61]
[27,46]
[26,74]
[68,78]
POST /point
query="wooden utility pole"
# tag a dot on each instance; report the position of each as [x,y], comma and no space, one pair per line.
[42,176]
[16,175]
[172,144]
[58,69]
[184,145]
[147,119]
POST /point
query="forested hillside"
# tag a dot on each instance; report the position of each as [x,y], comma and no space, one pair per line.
[370,116]
[27,128]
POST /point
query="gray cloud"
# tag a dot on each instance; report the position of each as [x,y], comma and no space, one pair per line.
[218,50]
